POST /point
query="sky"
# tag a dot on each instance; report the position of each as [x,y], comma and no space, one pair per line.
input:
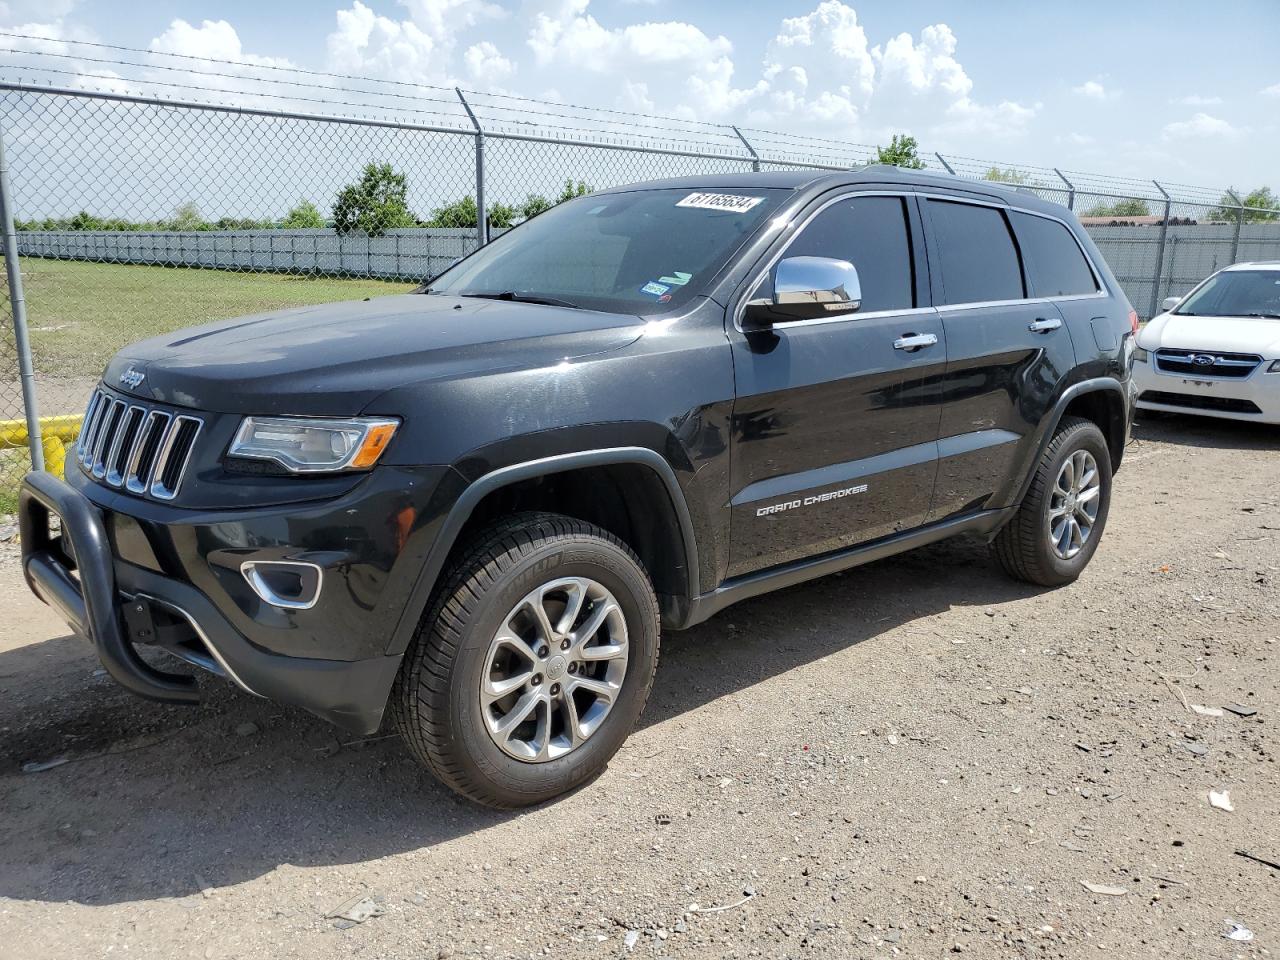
[1185,92]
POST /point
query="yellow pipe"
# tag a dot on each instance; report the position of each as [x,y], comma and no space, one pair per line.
[55,434]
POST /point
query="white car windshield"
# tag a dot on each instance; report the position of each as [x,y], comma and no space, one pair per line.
[1236,293]
[639,252]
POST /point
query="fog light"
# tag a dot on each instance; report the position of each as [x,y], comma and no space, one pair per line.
[291,584]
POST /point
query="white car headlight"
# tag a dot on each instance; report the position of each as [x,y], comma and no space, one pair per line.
[1275,367]
[1140,355]
[304,445]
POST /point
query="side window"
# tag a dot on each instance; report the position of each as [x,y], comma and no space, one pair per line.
[872,234]
[1055,265]
[979,259]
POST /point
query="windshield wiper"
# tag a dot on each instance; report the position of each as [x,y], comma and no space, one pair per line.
[1266,316]
[516,297]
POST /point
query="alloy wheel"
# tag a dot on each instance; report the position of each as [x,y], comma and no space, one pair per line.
[1073,504]
[554,669]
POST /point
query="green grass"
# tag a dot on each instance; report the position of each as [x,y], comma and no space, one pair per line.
[80,313]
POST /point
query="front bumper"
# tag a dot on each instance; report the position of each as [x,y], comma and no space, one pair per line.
[144,578]
[1254,398]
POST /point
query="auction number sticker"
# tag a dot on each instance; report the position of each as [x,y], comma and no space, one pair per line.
[719,201]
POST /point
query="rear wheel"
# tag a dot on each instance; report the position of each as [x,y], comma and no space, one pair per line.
[1056,530]
[533,664]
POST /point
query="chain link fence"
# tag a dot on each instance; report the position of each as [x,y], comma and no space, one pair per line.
[137,215]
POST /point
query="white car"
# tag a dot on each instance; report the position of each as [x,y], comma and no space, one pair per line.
[1216,351]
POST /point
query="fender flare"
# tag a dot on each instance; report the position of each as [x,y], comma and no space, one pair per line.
[1049,425]
[463,507]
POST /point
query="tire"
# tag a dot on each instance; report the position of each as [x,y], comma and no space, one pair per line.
[439,699]
[1026,547]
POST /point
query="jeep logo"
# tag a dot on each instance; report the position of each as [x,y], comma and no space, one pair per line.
[132,378]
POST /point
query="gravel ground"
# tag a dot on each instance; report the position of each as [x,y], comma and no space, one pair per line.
[916,758]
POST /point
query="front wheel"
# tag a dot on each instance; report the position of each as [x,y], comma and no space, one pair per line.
[533,664]
[1056,530]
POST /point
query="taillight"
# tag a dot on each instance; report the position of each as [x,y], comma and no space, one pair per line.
[1133,320]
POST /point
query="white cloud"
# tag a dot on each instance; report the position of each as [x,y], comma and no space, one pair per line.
[924,80]
[419,47]
[444,18]
[1200,126]
[1094,90]
[829,44]
[367,42]
[697,68]
[1195,100]
[821,71]
[572,37]
[215,39]
[31,10]
[486,65]
[53,38]
[1271,91]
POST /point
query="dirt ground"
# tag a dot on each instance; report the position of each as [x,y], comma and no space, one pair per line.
[917,758]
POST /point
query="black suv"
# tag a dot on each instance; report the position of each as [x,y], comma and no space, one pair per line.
[477,505]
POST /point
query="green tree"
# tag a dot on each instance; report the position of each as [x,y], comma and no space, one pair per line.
[1260,205]
[84,220]
[460,213]
[501,215]
[242,223]
[901,152]
[1005,175]
[374,204]
[305,216]
[572,190]
[1127,207]
[186,219]
[533,205]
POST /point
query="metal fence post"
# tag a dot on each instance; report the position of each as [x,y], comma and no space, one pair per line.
[755,157]
[945,166]
[1164,235]
[1071,189]
[482,218]
[19,304]
[1235,236]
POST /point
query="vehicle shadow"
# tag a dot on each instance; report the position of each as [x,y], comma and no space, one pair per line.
[1192,431]
[163,801]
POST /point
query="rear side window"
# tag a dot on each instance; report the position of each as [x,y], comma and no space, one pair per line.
[872,234]
[979,259]
[1056,267]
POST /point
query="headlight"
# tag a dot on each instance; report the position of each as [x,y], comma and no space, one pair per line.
[1275,367]
[1140,355]
[303,445]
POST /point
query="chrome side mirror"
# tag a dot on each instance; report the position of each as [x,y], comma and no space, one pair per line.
[805,288]
[1168,303]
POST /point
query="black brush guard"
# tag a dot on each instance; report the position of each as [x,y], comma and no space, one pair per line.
[89,603]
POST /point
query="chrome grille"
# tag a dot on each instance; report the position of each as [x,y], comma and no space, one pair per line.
[143,449]
[1207,363]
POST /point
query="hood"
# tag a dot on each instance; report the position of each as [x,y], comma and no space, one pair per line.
[1258,335]
[333,359]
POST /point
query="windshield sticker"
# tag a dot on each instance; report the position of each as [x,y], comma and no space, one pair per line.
[654,289]
[719,201]
[677,279]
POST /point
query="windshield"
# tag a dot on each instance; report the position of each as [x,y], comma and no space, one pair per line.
[641,252]
[1236,293]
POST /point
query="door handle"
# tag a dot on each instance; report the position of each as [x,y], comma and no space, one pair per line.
[914,341]
[1044,326]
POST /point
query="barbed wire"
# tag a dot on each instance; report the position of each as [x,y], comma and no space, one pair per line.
[580,121]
